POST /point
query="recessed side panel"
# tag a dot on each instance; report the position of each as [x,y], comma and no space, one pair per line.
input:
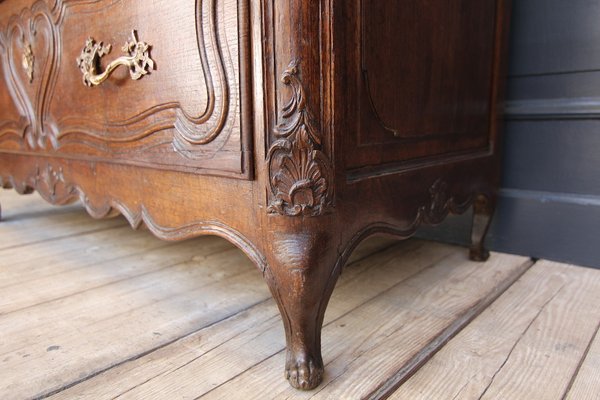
[425,74]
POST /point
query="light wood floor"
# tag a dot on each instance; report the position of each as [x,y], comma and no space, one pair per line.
[94,310]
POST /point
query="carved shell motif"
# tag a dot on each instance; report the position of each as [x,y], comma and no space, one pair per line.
[299,172]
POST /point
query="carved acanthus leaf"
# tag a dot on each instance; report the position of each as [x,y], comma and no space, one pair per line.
[299,171]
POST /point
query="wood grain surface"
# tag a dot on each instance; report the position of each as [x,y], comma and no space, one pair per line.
[246,120]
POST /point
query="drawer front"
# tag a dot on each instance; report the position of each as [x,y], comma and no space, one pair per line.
[425,73]
[180,105]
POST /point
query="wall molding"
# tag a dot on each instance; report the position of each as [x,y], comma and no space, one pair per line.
[557,108]
[554,197]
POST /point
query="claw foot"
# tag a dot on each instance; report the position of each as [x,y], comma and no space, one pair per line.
[303,371]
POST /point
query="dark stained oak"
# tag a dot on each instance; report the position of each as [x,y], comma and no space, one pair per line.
[293,129]
[438,86]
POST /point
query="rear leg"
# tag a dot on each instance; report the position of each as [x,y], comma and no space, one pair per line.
[483,211]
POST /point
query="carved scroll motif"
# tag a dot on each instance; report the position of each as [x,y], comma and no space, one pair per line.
[299,172]
[29,37]
[32,39]
[442,204]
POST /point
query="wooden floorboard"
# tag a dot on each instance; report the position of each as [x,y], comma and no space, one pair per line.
[94,310]
[261,338]
[527,345]
[28,219]
[586,383]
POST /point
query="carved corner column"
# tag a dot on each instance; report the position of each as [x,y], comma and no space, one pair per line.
[300,225]
[300,173]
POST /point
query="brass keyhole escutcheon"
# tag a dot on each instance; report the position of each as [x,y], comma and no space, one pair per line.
[28,61]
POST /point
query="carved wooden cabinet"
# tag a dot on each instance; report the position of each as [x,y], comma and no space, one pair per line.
[294,129]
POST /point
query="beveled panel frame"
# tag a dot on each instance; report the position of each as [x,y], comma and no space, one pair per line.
[401,152]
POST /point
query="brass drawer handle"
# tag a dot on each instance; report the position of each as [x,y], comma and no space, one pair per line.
[137,60]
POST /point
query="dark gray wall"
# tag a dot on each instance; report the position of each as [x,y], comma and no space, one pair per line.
[550,200]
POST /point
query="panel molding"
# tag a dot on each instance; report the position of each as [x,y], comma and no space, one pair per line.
[31,94]
[205,141]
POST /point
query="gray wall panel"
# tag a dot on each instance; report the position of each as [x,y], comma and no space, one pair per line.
[549,229]
[555,36]
[553,156]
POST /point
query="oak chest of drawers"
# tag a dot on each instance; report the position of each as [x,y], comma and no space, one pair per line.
[294,129]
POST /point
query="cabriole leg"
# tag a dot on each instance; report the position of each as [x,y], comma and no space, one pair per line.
[483,211]
[301,277]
